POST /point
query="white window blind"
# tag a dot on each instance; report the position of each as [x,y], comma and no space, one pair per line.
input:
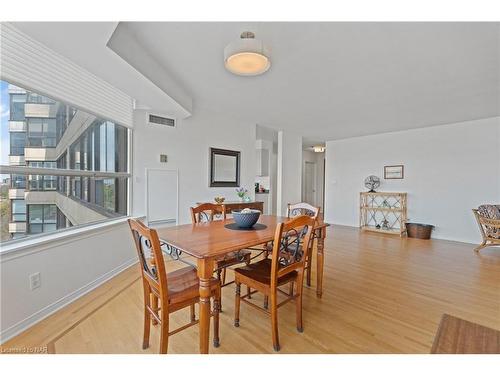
[28,63]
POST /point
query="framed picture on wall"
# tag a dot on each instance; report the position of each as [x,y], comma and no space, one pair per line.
[224,168]
[394,172]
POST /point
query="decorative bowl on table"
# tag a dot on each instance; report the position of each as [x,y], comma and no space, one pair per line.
[246,218]
[219,200]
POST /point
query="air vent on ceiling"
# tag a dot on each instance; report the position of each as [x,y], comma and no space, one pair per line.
[153,119]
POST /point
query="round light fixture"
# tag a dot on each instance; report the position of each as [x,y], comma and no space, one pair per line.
[247,56]
[319,148]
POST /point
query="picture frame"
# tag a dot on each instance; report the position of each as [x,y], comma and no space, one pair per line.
[224,168]
[394,172]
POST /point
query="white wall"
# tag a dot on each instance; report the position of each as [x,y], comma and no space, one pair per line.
[317,158]
[289,181]
[449,170]
[68,268]
[187,147]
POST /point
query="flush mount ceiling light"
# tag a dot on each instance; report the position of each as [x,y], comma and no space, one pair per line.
[319,148]
[247,56]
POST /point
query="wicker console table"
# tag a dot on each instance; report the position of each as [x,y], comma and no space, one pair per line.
[383,212]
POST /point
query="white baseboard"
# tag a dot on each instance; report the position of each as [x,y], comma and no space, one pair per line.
[26,323]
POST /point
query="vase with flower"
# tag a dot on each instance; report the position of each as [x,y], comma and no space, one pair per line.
[241,192]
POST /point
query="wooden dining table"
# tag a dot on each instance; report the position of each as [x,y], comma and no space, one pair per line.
[209,241]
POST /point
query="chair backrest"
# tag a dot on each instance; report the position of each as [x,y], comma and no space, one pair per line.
[291,242]
[489,211]
[489,221]
[302,208]
[207,212]
[150,255]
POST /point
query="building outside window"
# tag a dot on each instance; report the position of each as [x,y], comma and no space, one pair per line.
[45,202]
[103,147]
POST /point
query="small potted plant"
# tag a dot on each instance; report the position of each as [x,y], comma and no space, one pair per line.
[241,192]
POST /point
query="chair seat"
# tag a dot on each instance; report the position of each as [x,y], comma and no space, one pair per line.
[183,284]
[261,272]
[233,258]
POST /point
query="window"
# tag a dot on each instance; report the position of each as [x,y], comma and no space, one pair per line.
[62,120]
[18,210]
[41,132]
[42,218]
[17,181]
[103,147]
[33,97]
[17,107]
[58,199]
[61,180]
[42,182]
[17,144]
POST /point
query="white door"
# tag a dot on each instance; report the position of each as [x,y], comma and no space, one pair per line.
[161,197]
[309,195]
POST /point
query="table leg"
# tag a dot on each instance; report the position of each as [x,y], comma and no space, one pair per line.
[205,270]
[320,262]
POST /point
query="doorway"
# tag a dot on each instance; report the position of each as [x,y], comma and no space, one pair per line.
[309,192]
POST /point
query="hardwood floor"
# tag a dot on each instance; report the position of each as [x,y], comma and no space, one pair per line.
[382,294]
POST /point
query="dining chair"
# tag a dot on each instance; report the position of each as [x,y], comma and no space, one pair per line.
[293,210]
[303,208]
[165,293]
[287,265]
[207,212]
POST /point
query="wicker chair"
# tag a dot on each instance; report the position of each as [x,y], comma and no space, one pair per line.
[488,219]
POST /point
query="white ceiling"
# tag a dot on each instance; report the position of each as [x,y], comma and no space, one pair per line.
[328,80]
[338,80]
